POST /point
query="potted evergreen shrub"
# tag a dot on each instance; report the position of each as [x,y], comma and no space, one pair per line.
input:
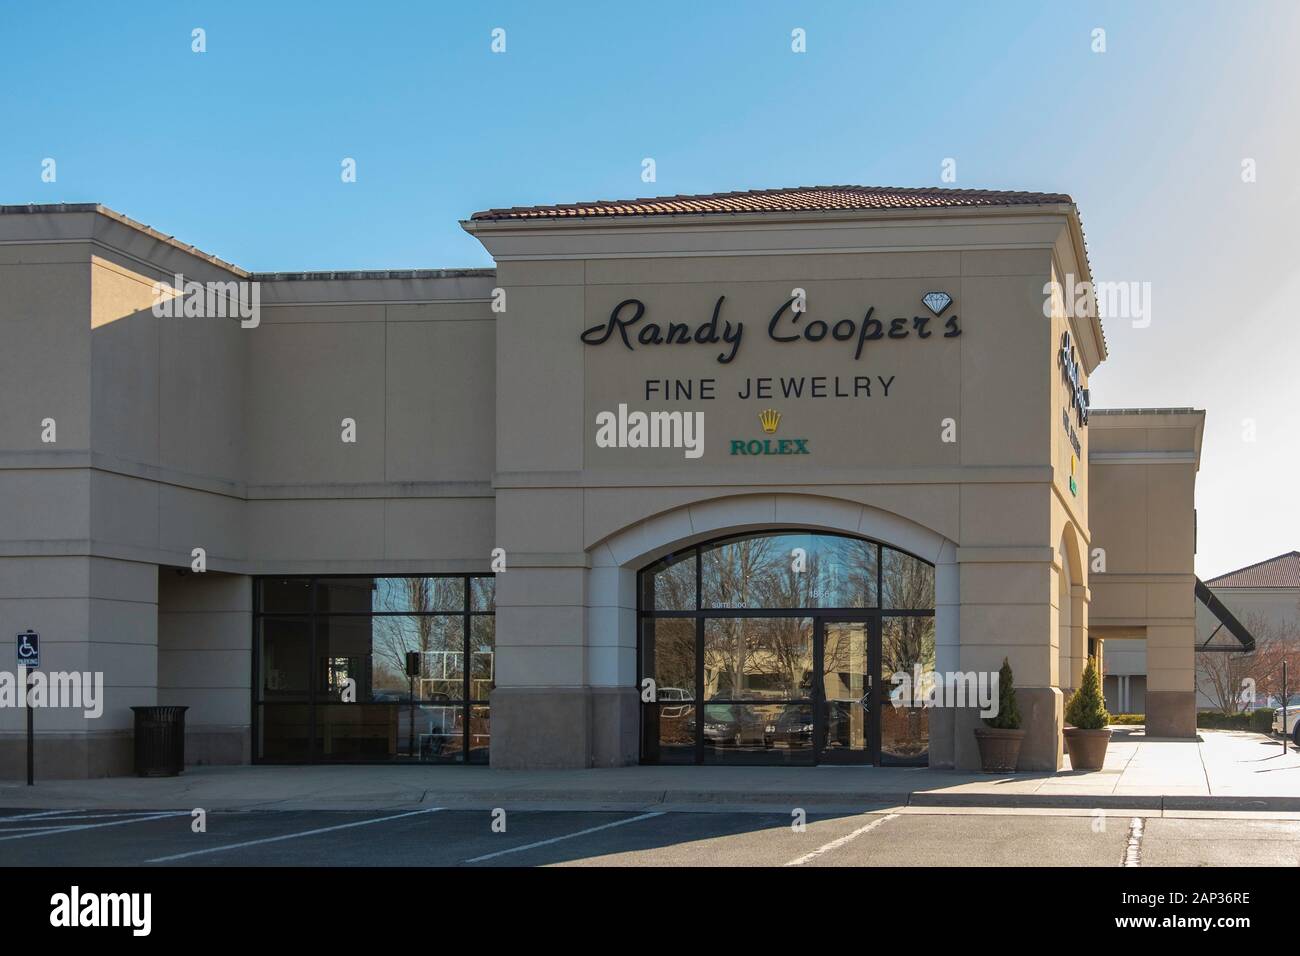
[1000,738]
[1087,733]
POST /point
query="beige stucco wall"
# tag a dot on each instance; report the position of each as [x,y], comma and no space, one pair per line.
[566,607]
[1143,468]
[183,433]
[475,430]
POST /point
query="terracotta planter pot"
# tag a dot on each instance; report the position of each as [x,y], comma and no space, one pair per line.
[999,749]
[1087,747]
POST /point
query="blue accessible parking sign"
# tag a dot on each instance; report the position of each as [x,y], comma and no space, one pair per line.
[29,649]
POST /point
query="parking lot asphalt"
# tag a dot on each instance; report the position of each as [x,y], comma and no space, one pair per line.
[457,837]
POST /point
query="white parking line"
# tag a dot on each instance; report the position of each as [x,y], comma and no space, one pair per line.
[1133,849]
[291,836]
[567,836]
[836,844]
[63,816]
[33,816]
[54,830]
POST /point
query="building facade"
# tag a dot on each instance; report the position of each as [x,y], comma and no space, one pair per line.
[679,480]
[1262,599]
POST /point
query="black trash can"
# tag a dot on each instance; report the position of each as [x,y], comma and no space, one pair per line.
[159,741]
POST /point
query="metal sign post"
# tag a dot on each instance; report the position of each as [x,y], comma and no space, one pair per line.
[412,671]
[28,651]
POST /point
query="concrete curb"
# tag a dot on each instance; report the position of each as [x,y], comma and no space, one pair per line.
[650,799]
[860,799]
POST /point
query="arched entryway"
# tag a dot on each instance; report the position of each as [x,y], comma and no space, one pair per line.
[613,660]
[1071,610]
[786,647]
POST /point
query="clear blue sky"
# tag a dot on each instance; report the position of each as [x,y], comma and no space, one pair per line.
[238,150]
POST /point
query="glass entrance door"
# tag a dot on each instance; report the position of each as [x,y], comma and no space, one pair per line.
[848,704]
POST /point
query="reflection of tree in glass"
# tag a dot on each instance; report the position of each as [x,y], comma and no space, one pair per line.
[730,574]
[674,650]
[905,643]
[908,582]
[395,636]
[674,585]
[484,593]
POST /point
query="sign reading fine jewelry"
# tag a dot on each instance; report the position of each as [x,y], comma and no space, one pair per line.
[784,327]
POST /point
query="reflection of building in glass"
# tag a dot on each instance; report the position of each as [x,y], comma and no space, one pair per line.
[360,630]
[792,649]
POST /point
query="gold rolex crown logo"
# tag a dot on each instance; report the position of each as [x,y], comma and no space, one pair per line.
[770,418]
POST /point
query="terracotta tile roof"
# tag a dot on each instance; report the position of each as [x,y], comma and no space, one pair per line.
[1280,572]
[798,199]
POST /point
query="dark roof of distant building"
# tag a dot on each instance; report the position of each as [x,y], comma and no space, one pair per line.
[1282,571]
[1144,411]
[796,199]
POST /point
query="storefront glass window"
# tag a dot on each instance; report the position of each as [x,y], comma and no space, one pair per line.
[781,648]
[344,665]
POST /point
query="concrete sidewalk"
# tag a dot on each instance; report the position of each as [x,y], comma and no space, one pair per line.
[1222,770]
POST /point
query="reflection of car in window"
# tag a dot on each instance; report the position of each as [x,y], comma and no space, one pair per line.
[733,725]
[665,695]
[794,728]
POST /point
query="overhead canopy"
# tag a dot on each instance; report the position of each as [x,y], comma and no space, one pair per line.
[1245,641]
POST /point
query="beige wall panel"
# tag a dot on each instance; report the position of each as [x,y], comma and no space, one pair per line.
[1036,263]
[311,530]
[123,580]
[440,419]
[1020,625]
[1169,508]
[222,593]
[1121,440]
[35,578]
[45,364]
[532,521]
[208,630]
[327,313]
[440,529]
[194,519]
[303,381]
[1004,515]
[123,622]
[1119,516]
[1028,583]
[1005,406]
[124,377]
[45,505]
[202,396]
[545,587]
[1173,600]
[540,417]
[124,511]
[1116,600]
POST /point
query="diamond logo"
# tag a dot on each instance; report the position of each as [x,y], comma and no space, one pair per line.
[936,302]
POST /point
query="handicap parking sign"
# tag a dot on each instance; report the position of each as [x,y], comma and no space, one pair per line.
[29,649]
